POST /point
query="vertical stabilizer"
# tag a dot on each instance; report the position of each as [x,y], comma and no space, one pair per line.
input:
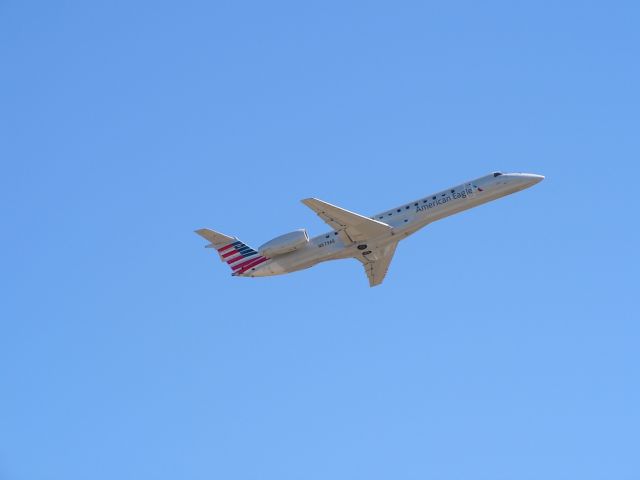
[239,256]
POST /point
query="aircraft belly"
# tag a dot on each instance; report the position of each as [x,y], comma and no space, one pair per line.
[298,260]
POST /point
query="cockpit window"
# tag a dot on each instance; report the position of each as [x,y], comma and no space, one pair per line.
[497,174]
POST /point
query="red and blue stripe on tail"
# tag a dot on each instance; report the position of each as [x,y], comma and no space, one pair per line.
[236,254]
[240,257]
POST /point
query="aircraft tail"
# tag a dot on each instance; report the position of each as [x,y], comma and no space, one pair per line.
[239,256]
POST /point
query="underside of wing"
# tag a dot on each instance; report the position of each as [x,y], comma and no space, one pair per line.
[358,228]
[376,264]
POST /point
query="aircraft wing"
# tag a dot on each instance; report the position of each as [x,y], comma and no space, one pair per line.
[357,227]
[377,263]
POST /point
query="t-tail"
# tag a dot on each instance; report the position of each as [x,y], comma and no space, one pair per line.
[239,256]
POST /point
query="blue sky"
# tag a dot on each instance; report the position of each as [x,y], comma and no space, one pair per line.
[504,341]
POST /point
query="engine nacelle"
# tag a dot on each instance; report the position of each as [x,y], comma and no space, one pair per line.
[285,243]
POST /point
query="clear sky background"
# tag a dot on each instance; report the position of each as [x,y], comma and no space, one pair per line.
[504,342]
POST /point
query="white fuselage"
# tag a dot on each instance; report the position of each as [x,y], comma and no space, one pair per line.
[404,220]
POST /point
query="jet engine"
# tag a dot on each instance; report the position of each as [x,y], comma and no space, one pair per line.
[285,243]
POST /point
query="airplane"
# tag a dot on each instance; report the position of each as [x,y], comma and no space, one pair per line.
[370,240]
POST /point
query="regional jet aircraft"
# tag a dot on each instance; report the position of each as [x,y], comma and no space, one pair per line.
[370,240]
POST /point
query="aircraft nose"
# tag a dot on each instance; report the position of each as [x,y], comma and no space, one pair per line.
[533,178]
